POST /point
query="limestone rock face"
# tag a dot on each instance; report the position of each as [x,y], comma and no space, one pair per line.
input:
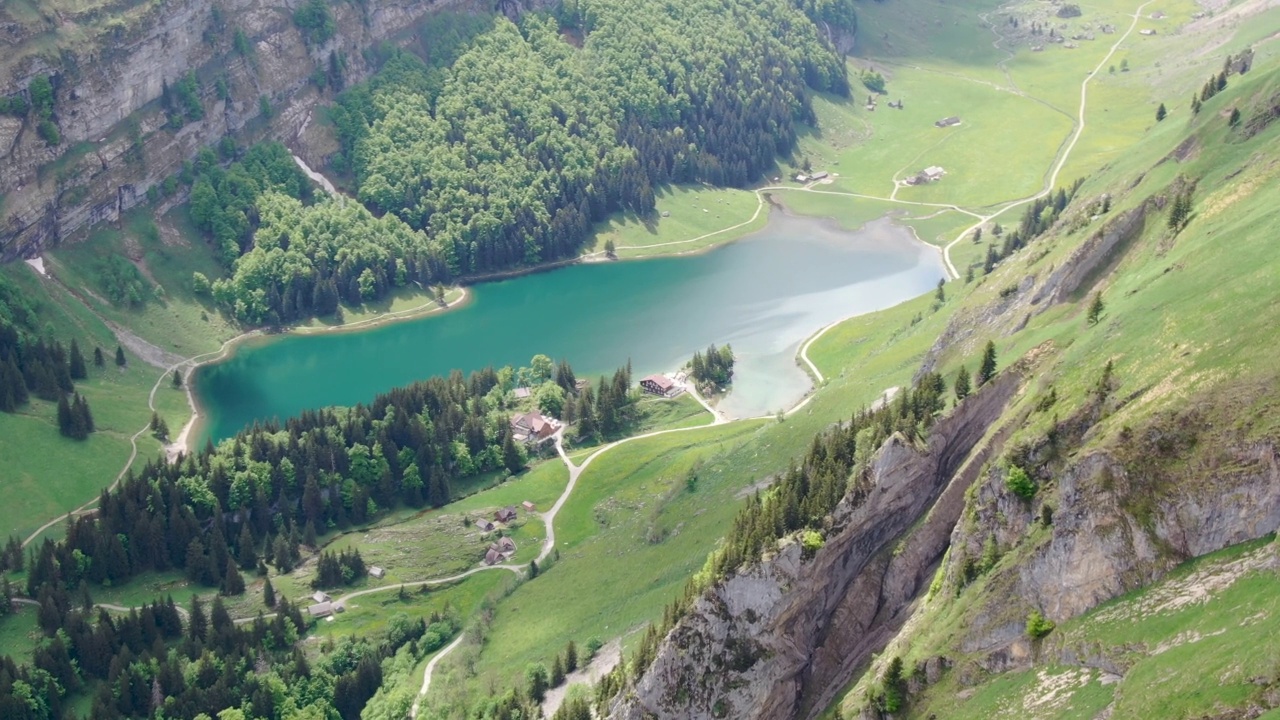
[777,639]
[115,144]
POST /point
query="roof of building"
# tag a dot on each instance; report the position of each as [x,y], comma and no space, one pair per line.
[377,571]
[953,120]
[522,392]
[320,596]
[661,381]
[492,556]
[506,512]
[527,505]
[934,170]
[506,544]
[320,609]
[821,174]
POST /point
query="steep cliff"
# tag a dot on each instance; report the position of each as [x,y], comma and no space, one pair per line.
[116,143]
[777,639]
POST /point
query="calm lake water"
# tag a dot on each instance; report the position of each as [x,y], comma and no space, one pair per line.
[764,294]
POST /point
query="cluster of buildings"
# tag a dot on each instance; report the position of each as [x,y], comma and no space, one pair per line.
[503,548]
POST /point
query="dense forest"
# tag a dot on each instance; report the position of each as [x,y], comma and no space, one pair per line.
[505,145]
[254,500]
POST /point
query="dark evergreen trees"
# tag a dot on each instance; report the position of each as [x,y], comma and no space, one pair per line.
[987,366]
[120,359]
[715,368]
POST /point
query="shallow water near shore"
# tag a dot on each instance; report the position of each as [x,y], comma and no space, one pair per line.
[764,294]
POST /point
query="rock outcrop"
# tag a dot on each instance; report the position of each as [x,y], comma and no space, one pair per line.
[777,639]
[115,142]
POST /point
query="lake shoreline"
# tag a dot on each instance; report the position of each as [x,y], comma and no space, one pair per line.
[195,424]
[546,322]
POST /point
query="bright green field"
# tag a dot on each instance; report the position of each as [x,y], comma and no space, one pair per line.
[699,218]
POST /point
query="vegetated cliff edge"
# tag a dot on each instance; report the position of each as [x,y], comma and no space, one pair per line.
[116,142]
[777,639]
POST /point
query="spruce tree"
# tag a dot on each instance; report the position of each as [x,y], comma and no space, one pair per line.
[268,594]
[246,553]
[987,369]
[232,583]
[78,369]
[120,359]
[98,359]
[963,386]
[1095,309]
[66,424]
[1161,113]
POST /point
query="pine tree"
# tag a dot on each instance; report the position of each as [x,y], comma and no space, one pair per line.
[120,360]
[511,455]
[177,379]
[78,369]
[557,671]
[66,424]
[987,369]
[1095,309]
[246,553]
[232,583]
[98,360]
[962,385]
[571,657]
[268,594]
[1161,113]
[1234,120]
[309,535]
[941,294]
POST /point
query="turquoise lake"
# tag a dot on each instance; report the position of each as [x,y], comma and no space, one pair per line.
[764,294]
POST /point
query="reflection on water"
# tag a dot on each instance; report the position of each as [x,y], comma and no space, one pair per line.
[764,295]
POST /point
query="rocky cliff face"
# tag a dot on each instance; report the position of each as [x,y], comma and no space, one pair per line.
[778,639]
[1120,524]
[115,144]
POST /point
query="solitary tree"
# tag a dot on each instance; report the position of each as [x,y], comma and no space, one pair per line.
[1095,309]
[987,369]
[1161,112]
[268,594]
[120,361]
[177,379]
[1235,117]
[941,294]
[610,250]
[98,360]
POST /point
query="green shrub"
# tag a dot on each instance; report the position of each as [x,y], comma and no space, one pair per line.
[1038,625]
[1020,483]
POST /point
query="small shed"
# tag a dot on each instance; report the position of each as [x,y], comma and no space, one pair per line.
[933,173]
[320,610]
[506,545]
[801,177]
[377,572]
[527,505]
[820,175]
[521,393]
[485,525]
[492,556]
[505,515]
[320,596]
[1147,31]
[948,122]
